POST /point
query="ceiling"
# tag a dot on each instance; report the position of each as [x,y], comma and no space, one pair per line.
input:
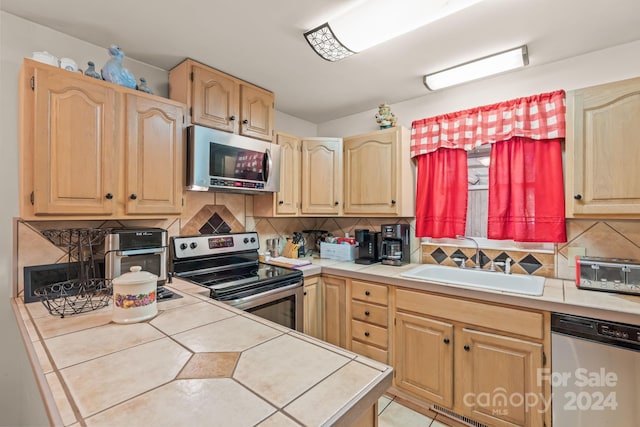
[262,42]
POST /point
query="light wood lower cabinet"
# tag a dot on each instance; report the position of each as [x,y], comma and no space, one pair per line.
[313,307]
[333,291]
[368,313]
[445,354]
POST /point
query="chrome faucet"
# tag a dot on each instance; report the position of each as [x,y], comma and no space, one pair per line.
[477,256]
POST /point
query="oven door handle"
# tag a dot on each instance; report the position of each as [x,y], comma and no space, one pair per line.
[243,301]
[141,252]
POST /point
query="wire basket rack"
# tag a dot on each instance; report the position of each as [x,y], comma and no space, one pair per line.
[83,290]
[75,296]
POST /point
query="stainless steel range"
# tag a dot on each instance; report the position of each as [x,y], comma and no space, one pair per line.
[227,264]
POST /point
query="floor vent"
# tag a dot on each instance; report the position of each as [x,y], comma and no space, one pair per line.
[461,418]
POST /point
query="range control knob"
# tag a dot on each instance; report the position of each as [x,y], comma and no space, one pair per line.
[183,246]
[193,245]
[253,240]
[246,240]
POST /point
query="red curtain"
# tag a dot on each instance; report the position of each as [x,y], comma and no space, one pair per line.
[526,191]
[441,193]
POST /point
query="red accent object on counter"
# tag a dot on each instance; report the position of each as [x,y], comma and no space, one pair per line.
[577,271]
[346,240]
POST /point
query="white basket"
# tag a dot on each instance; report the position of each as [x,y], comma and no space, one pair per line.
[338,252]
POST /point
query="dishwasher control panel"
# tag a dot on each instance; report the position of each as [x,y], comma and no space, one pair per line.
[598,330]
[627,333]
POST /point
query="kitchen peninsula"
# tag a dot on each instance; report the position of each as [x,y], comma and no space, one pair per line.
[198,362]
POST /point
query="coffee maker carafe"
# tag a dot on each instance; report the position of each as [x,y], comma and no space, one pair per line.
[368,246]
[395,249]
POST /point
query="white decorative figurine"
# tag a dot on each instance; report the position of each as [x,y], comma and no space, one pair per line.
[385,118]
[114,72]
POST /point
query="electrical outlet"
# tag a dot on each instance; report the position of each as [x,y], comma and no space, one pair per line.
[575,251]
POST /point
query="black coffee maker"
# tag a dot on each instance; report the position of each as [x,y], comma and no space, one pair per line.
[368,251]
[395,249]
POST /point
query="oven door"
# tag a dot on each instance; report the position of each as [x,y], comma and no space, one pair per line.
[283,305]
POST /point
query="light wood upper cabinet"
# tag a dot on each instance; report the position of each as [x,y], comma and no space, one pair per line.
[379,175]
[603,124]
[91,149]
[72,124]
[221,101]
[322,176]
[154,156]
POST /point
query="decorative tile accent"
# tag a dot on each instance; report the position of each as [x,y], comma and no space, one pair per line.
[530,264]
[214,225]
[210,365]
[210,218]
[439,255]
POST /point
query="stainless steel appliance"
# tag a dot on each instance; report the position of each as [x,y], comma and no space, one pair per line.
[595,378]
[128,247]
[395,247]
[222,161]
[227,264]
[368,243]
[620,275]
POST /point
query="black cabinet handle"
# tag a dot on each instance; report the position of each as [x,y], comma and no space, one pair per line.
[245,121]
[281,202]
[305,293]
[393,202]
[366,313]
[578,196]
[336,203]
[446,340]
[108,196]
[232,118]
[466,347]
[133,197]
[366,334]
[367,293]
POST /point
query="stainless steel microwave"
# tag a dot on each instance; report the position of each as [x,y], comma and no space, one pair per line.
[222,161]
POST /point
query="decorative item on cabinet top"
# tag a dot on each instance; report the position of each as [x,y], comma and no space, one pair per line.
[114,72]
[385,118]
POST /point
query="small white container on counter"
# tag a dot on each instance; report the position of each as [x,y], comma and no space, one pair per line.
[134,296]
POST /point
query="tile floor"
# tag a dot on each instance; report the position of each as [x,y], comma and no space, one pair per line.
[392,414]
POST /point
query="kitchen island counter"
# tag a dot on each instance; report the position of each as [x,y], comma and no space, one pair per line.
[198,362]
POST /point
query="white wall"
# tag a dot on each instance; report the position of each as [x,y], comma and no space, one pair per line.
[293,125]
[603,66]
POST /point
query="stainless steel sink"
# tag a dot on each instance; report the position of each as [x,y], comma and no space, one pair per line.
[472,278]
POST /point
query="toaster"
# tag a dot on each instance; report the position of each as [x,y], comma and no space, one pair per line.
[620,275]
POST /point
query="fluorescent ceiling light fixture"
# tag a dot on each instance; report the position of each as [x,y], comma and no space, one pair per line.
[372,22]
[479,68]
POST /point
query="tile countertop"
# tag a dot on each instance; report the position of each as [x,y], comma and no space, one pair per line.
[559,295]
[196,362]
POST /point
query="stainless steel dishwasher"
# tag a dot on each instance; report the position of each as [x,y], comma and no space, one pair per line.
[595,378]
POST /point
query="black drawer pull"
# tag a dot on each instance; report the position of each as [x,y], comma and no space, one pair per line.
[366,334]
[446,341]
[367,293]
[466,347]
[366,313]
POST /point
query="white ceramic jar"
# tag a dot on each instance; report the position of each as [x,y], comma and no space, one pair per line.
[134,296]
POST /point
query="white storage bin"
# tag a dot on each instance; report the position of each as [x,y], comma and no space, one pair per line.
[339,252]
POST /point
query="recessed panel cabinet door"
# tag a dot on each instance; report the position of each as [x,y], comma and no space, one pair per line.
[322,176]
[288,198]
[257,111]
[154,157]
[424,358]
[214,99]
[74,146]
[498,379]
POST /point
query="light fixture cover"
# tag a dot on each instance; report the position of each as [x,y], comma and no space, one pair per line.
[326,44]
[478,68]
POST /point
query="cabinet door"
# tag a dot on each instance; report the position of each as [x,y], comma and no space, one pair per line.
[603,151]
[288,198]
[74,145]
[334,310]
[423,352]
[154,156]
[214,100]
[312,307]
[257,111]
[498,378]
[321,176]
[371,174]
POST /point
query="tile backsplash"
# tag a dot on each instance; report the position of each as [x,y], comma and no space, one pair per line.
[210,212]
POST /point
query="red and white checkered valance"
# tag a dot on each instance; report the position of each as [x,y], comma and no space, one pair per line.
[536,117]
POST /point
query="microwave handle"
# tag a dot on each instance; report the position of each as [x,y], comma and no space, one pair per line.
[267,163]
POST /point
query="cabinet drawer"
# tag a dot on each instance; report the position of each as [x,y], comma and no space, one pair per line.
[506,319]
[369,333]
[369,351]
[369,292]
[371,313]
